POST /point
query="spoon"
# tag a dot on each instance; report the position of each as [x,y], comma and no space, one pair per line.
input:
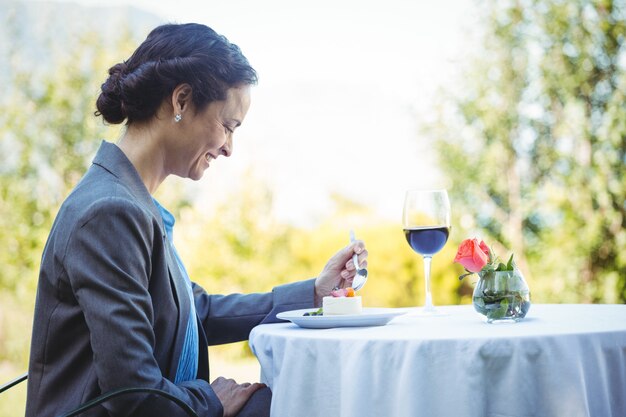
[361,273]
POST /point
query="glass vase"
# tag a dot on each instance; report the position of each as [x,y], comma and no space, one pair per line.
[501,296]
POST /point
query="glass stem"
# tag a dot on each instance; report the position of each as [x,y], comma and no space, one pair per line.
[428,305]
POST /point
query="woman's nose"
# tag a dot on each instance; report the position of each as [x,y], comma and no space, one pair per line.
[227,148]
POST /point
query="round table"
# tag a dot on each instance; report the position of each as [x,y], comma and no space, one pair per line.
[561,360]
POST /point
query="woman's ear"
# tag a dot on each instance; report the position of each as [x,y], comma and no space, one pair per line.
[181,98]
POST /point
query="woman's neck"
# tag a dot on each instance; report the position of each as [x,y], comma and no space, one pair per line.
[142,147]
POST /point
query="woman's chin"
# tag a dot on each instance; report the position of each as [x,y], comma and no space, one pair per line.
[196,176]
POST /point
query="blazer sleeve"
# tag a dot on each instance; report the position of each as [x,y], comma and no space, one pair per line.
[108,264]
[230,318]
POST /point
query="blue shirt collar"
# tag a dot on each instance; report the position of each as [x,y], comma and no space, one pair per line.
[168,219]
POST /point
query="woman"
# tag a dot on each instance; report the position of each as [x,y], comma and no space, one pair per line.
[115,307]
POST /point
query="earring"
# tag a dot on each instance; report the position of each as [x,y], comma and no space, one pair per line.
[178,118]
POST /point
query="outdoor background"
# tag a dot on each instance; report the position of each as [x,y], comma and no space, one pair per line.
[516,107]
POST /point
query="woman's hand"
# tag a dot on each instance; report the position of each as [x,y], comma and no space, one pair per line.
[339,270]
[233,395]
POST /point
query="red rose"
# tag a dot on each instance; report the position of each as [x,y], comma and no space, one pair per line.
[472,254]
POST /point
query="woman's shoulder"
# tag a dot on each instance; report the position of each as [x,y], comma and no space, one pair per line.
[102,199]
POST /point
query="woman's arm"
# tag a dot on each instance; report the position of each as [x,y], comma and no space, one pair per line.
[230,318]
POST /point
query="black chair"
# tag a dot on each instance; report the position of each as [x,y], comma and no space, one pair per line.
[107,396]
[14,382]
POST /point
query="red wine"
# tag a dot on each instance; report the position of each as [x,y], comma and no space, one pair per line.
[427,240]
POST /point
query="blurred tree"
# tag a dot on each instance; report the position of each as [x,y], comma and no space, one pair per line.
[536,144]
[238,246]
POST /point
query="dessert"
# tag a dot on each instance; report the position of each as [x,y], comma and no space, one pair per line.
[341,302]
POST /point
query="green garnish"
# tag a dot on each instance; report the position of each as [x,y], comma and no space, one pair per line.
[318,312]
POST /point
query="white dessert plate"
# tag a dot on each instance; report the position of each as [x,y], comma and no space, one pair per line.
[369,317]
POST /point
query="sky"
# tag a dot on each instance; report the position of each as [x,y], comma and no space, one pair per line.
[343,86]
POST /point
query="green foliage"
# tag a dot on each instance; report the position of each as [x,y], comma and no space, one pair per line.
[539,166]
[495,265]
[238,246]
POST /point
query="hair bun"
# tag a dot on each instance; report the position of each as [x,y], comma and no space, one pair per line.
[110,103]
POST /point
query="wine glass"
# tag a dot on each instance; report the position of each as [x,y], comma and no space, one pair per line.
[426,224]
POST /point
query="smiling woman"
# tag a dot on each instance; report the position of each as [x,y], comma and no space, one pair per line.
[168,88]
[116,308]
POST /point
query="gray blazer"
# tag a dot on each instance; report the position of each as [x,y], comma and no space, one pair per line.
[112,309]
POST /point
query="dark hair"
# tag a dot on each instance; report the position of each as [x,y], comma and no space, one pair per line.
[173,54]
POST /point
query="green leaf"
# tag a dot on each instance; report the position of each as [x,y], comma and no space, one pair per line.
[510,266]
[499,312]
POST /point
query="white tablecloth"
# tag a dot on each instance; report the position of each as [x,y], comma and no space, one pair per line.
[561,361]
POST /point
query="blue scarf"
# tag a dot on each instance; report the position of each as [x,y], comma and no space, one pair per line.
[188,362]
